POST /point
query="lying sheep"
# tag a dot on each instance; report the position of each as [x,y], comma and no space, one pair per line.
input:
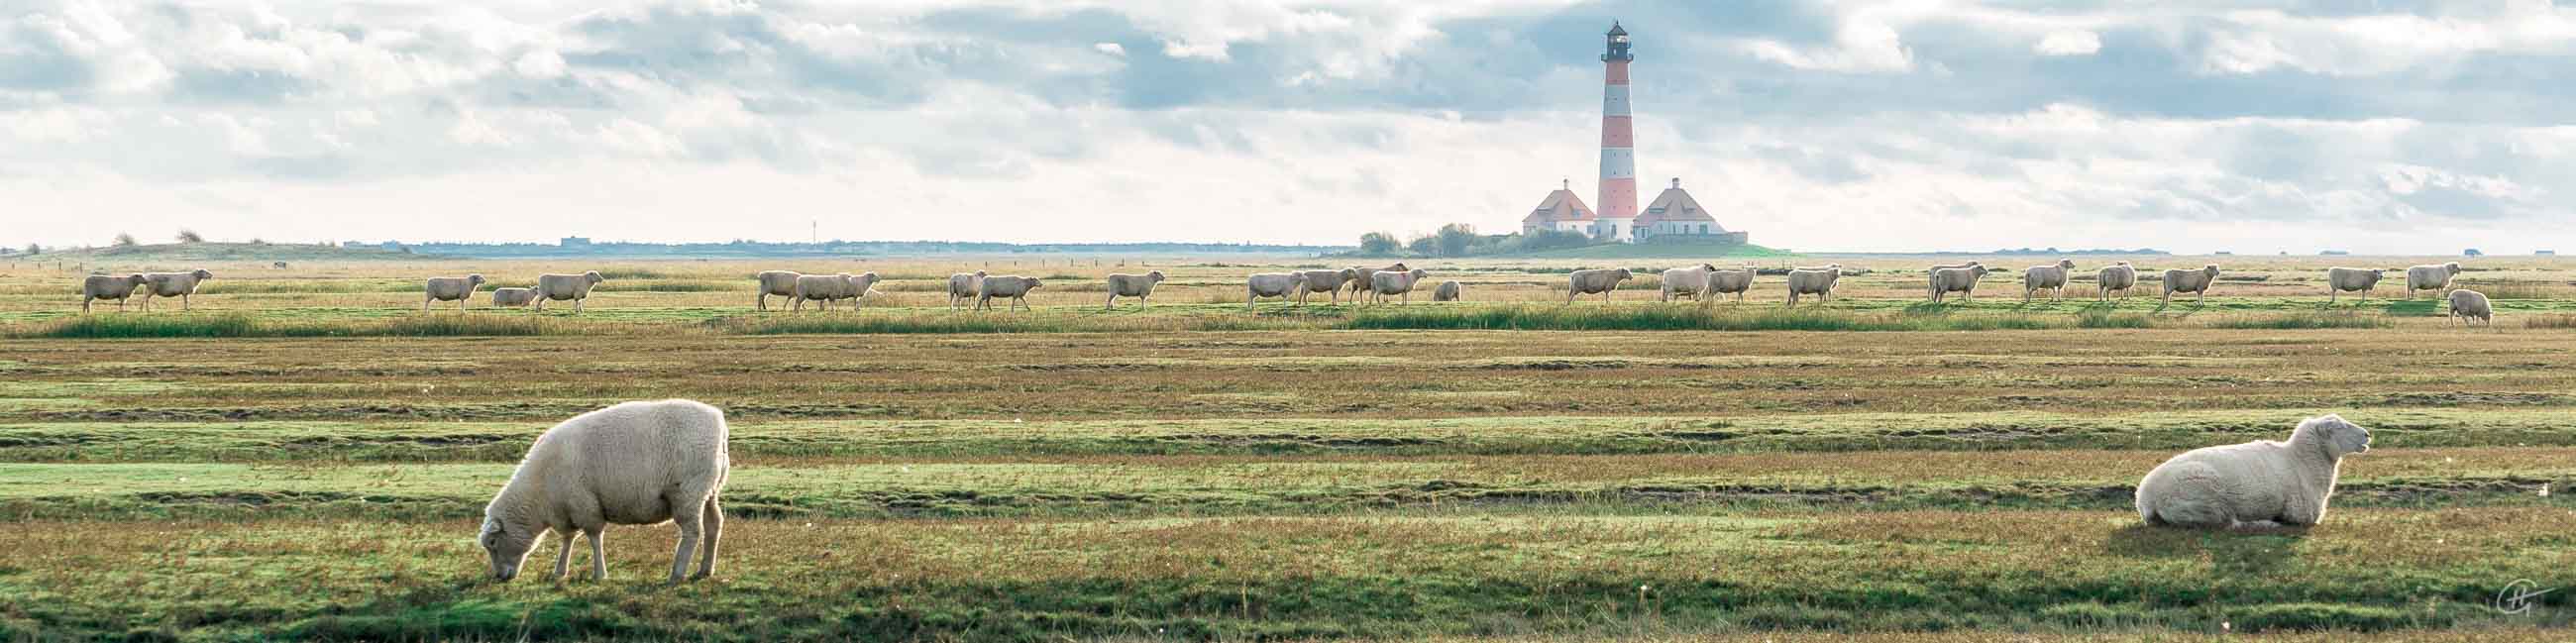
[2470,304]
[574,288]
[964,286]
[1736,281]
[775,282]
[2051,278]
[455,289]
[1689,282]
[637,463]
[98,287]
[1386,282]
[1270,284]
[2195,282]
[2430,277]
[172,284]
[1597,281]
[2255,483]
[1012,287]
[822,290]
[1958,280]
[1140,287]
[2118,277]
[2344,280]
[1328,282]
[513,297]
[1931,280]
[1360,278]
[1448,291]
[1813,282]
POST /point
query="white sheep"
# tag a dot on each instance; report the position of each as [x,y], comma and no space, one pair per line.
[2195,282]
[2344,280]
[2118,277]
[1270,284]
[1385,282]
[1803,281]
[1958,280]
[1328,282]
[2251,484]
[1736,281]
[1140,287]
[1012,287]
[775,282]
[2470,304]
[2430,277]
[1597,281]
[1448,291]
[1689,282]
[1360,278]
[637,463]
[573,288]
[455,289]
[1931,276]
[172,284]
[97,287]
[963,287]
[513,297]
[822,290]
[2051,277]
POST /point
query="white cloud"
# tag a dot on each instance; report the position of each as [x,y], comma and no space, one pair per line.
[2069,43]
[1110,48]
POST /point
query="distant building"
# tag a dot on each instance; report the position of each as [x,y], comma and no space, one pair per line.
[1673,216]
[1561,211]
[2333,253]
[390,245]
[2544,253]
[2472,252]
[574,242]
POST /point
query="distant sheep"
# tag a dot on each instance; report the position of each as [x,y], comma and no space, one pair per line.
[97,287]
[1360,278]
[2195,282]
[1734,281]
[637,463]
[2470,305]
[1598,281]
[2255,483]
[1448,291]
[822,290]
[513,297]
[172,284]
[1328,282]
[2118,277]
[455,289]
[775,282]
[1959,280]
[2344,280]
[573,288]
[281,265]
[1387,282]
[1820,283]
[1140,287]
[1689,282]
[2051,278]
[963,287]
[2430,277]
[1269,284]
[1932,280]
[1013,287]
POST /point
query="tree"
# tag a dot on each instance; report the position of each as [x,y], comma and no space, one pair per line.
[190,236]
[126,240]
[1423,245]
[1553,239]
[1454,239]
[1379,243]
[34,249]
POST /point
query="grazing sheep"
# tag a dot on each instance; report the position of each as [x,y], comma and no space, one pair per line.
[1140,287]
[1813,282]
[775,282]
[637,463]
[2344,280]
[281,265]
[1931,279]
[2118,277]
[1736,281]
[2266,481]
[822,290]
[2195,282]
[1597,281]
[98,287]
[1012,287]
[1270,284]
[1387,282]
[2051,278]
[1328,282]
[455,289]
[964,286]
[574,288]
[2430,277]
[1689,282]
[513,297]
[172,284]
[1360,278]
[2470,304]
[1448,291]
[1958,280]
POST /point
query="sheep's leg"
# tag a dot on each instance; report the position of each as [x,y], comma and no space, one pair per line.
[563,557]
[183,302]
[598,538]
[691,528]
[713,515]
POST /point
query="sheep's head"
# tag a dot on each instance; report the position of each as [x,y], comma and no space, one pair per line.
[1400,267]
[1350,274]
[1624,275]
[1032,282]
[137,279]
[2452,267]
[2341,437]
[2066,263]
[507,546]
[202,274]
[2211,270]
[1155,276]
[475,279]
[1708,267]
[979,274]
[593,277]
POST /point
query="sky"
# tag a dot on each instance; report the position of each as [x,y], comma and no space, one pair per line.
[2387,126]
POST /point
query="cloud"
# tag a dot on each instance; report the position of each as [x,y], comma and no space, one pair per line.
[1110,48]
[2069,43]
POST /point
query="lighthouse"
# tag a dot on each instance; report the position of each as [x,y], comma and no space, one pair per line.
[1618,196]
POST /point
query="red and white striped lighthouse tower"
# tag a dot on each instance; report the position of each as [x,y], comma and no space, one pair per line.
[1618,199]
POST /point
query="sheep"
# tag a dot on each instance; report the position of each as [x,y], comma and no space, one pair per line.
[2190,281]
[1270,284]
[1958,280]
[1691,282]
[822,290]
[636,463]
[2343,280]
[2430,277]
[557,287]
[455,289]
[172,284]
[280,265]
[2255,483]
[1360,278]
[512,297]
[775,282]
[1931,276]
[1597,281]
[2051,278]
[98,287]
[2470,304]
[1736,281]
[1328,282]
[1386,282]
[1448,291]
[1813,282]
[1140,287]
[964,286]
[2118,277]
[1012,287]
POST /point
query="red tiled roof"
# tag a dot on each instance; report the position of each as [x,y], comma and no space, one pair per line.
[1674,205]
[1561,205]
